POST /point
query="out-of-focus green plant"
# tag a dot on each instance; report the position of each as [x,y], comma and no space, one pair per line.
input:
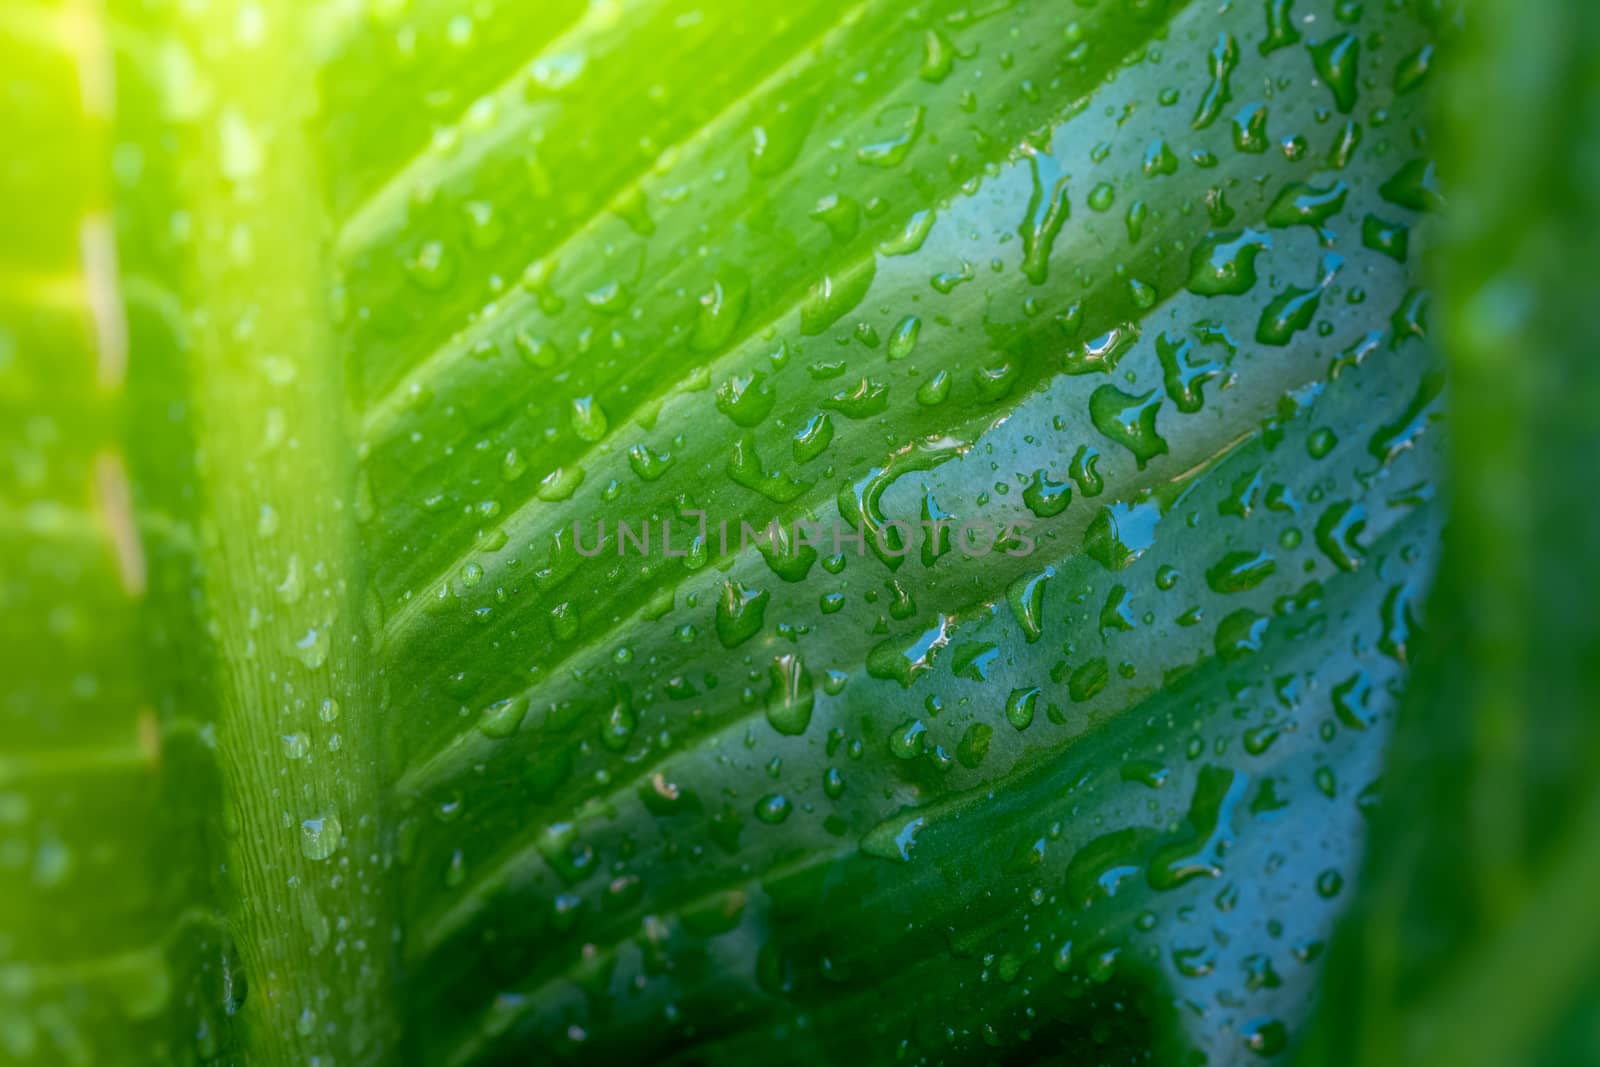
[331,335]
[1477,940]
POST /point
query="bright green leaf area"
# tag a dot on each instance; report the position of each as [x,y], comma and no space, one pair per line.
[329,335]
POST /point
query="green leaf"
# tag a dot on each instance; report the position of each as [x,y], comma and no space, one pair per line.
[340,732]
[1476,940]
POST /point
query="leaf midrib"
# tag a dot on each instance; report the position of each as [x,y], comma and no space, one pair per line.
[264,679]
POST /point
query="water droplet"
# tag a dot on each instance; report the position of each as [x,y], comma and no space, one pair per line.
[1184,379]
[1265,1037]
[903,659]
[1120,533]
[812,439]
[1302,204]
[974,744]
[741,613]
[501,719]
[1048,210]
[1129,421]
[1045,498]
[292,588]
[312,648]
[933,392]
[778,138]
[1195,850]
[1345,145]
[1026,599]
[1338,62]
[904,339]
[634,210]
[1338,534]
[619,722]
[722,308]
[866,399]
[589,421]
[320,837]
[552,73]
[1020,705]
[432,268]
[833,298]
[1099,868]
[1088,679]
[560,484]
[1223,264]
[484,227]
[1221,61]
[841,214]
[1280,26]
[1250,129]
[893,839]
[1159,159]
[791,699]
[1082,470]
[512,465]
[773,808]
[1390,238]
[911,239]
[745,468]
[1146,772]
[1240,571]
[938,57]
[746,398]
[1102,353]
[1292,310]
[907,120]
[1413,70]
[1240,634]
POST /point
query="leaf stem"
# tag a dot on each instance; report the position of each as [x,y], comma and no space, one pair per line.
[282,584]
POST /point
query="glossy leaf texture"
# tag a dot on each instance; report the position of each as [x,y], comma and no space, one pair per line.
[363,320]
[1476,938]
